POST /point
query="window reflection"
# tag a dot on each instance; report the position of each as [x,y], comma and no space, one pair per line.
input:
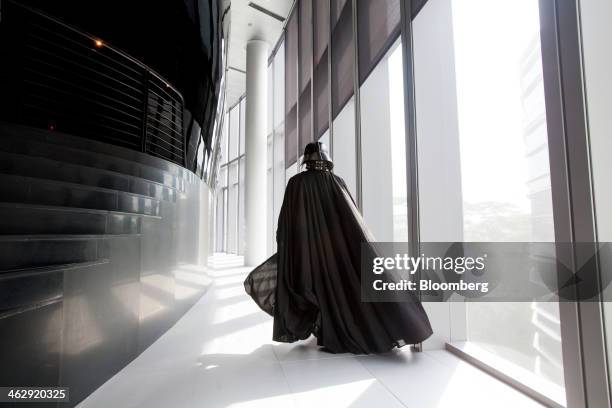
[483,161]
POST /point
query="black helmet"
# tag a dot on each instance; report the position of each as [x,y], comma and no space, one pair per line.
[317,151]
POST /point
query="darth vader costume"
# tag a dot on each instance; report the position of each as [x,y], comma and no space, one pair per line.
[312,285]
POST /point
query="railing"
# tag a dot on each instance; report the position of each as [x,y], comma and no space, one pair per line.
[57,77]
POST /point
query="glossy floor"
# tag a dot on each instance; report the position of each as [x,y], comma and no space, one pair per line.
[220,355]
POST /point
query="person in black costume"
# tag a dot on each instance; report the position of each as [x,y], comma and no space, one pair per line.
[312,285]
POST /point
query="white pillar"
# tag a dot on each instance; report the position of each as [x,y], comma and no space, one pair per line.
[256,149]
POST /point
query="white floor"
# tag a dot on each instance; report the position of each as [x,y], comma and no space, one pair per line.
[220,355]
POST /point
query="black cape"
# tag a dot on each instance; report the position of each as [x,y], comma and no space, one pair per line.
[312,284]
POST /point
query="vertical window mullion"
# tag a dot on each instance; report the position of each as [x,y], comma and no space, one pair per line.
[329,80]
[358,163]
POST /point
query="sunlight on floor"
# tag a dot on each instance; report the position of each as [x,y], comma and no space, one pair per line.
[338,396]
[220,354]
[233,311]
[277,401]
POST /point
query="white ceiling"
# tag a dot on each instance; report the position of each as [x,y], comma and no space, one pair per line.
[247,23]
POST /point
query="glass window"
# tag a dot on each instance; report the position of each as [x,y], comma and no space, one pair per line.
[344,146]
[291,171]
[200,156]
[279,86]
[378,27]
[222,210]
[224,139]
[320,62]
[383,144]
[483,162]
[234,132]
[416,6]
[232,209]
[325,139]
[270,202]
[212,221]
[242,122]
[279,177]
[269,122]
[291,86]
[241,219]
[278,138]
[305,73]
[342,84]
[305,133]
[223,176]
[596,30]
[220,217]
[305,41]
[343,56]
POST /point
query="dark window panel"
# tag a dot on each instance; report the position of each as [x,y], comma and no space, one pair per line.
[378,27]
[320,58]
[321,97]
[305,73]
[336,9]
[291,50]
[305,49]
[291,139]
[320,24]
[342,54]
[305,122]
[417,5]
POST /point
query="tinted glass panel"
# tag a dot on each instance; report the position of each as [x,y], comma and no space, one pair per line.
[342,54]
[320,61]
[305,73]
[291,85]
[378,26]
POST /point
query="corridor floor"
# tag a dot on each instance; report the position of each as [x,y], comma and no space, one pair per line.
[220,354]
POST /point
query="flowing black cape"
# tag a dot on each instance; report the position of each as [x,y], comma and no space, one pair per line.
[312,284]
